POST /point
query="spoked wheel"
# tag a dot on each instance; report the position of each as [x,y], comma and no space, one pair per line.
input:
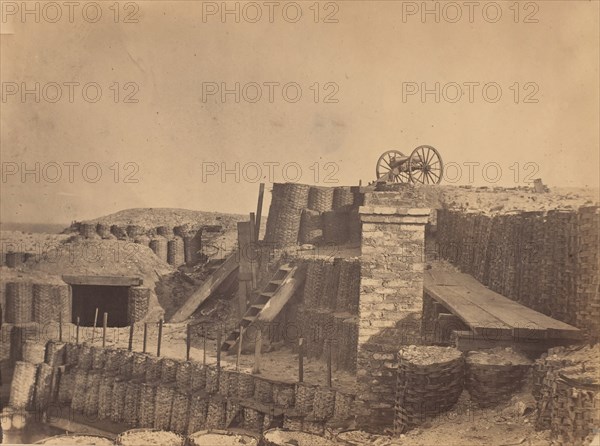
[425,166]
[388,167]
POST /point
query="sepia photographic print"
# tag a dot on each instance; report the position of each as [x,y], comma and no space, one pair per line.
[300,223]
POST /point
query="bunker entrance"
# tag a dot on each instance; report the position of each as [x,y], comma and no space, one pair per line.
[108,299]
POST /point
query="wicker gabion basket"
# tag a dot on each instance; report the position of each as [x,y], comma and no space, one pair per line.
[574,413]
[77,439]
[213,437]
[168,370]
[163,406]
[198,412]
[429,382]
[138,365]
[65,385]
[180,412]
[323,403]
[55,353]
[117,412]
[137,304]
[51,302]
[153,367]
[149,437]
[342,197]
[92,395]
[119,232]
[23,385]
[33,352]
[147,404]
[164,231]
[84,360]
[131,407]
[311,227]
[335,226]
[79,390]
[159,247]
[492,376]
[215,415]
[175,252]
[320,199]
[198,372]
[105,395]
[183,376]
[19,302]
[43,384]
[98,358]
[305,397]
[284,437]
[103,231]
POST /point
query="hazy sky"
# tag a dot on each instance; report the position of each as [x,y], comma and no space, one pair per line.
[530,94]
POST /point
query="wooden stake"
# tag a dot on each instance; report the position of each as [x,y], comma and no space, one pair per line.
[95,322]
[219,349]
[300,360]
[204,345]
[104,325]
[160,328]
[77,331]
[257,349]
[239,349]
[261,193]
[188,342]
[60,326]
[130,346]
[329,353]
[145,342]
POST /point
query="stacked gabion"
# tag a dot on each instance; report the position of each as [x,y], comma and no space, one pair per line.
[429,382]
[283,224]
[494,375]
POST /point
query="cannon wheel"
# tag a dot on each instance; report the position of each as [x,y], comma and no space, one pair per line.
[425,166]
[385,170]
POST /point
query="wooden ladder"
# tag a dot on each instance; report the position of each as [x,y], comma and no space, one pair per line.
[281,275]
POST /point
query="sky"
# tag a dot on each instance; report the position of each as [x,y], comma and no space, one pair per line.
[191,104]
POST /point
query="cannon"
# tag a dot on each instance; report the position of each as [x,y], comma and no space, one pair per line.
[424,165]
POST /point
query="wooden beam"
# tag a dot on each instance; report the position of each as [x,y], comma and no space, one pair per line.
[259,206]
[103,280]
[245,246]
[206,289]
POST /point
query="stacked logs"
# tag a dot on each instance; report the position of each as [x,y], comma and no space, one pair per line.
[429,382]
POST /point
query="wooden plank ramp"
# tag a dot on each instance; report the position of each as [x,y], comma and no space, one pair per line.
[486,311]
[208,287]
[268,305]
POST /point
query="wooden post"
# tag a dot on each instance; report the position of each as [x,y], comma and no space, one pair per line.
[219,350]
[145,341]
[188,342]
[77,331]
[131,328]
[251,250]
[94,329]
[245,268]
[104,325]
[160,328]
[239,349]
[329,353]
[60,327]
[203,345]
[257,349]
[300,360]
[261,193]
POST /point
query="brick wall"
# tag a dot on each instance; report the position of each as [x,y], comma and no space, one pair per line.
[391,294]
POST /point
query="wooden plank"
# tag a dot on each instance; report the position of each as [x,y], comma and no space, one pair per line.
[206,289]
[472,315]
[103,280]
[524,322]
[467,341]
[259,206]
[515,314]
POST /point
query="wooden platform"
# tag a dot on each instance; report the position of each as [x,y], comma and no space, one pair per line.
[491,317]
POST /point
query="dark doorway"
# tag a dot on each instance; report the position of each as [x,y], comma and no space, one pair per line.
[108,299]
